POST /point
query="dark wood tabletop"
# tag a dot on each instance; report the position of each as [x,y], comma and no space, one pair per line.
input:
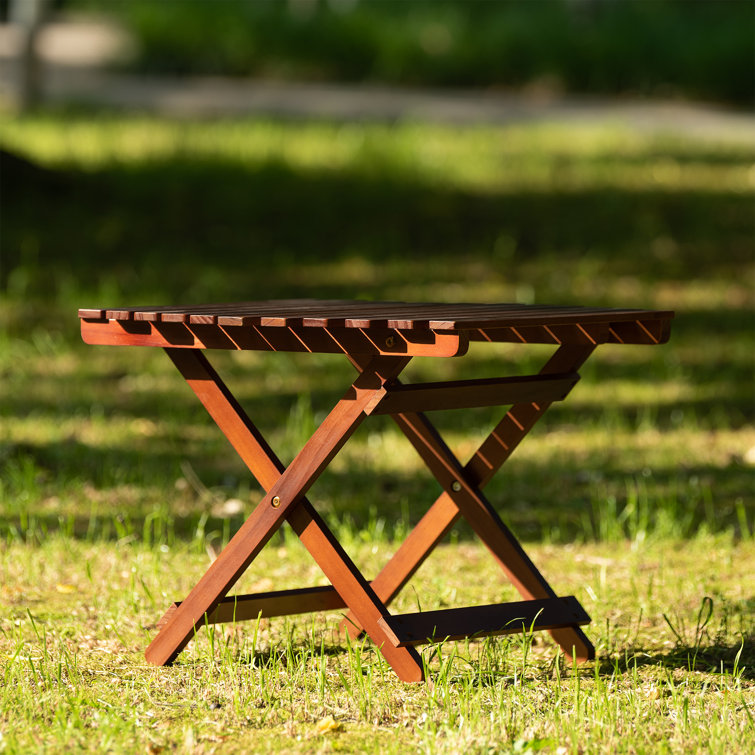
[372,314]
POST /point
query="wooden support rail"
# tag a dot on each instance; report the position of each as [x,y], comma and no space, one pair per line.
[268,604]
[406,629]
[483,621]
[465,394]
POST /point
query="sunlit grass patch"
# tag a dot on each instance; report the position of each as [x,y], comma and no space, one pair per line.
[563,213]
[76,616]
[519,157]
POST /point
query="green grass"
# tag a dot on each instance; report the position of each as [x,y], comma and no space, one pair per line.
[77,615]
[635,494]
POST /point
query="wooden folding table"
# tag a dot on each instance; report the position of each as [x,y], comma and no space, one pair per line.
[379,338]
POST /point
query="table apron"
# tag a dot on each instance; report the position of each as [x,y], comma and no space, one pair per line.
[366,341]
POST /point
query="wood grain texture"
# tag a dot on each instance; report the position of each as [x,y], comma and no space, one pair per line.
[465,394]
[206,600]
[485,621]
[380,338]
[480,469]
[358,594]
[179,335]
[555,324]
[268,604]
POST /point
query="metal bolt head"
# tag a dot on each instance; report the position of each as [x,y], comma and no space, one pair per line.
[276,502]
[456,486]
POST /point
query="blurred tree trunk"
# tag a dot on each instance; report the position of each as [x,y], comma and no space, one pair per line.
[29,15]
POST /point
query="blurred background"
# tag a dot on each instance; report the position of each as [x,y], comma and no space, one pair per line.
[311,151]
[661,48]
[564,151]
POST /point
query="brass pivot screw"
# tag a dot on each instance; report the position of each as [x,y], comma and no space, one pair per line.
[390,342]
[276,501]
[456,486]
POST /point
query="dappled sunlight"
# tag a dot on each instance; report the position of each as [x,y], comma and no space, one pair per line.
[569,157]
[558,214]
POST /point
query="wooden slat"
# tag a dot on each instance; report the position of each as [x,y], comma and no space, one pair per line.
[484,621]
[651,331]
[269,604]
[474,507]
[465,394]
[360,314]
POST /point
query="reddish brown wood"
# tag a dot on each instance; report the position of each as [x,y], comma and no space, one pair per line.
[465,394]
[641,331]
[477,472]
[485,621]
[404,316]
[572,333]
[175,334]
[228,415]
[369,611]
[520,419]
[268,604]
[380,337]
[288,489]
[215,583]
[183,619]
[396,341]
[474,507]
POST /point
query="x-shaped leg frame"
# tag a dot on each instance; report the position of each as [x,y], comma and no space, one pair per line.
[286,488]
[462,496]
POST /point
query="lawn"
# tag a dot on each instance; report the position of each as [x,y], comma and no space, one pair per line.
[635,494]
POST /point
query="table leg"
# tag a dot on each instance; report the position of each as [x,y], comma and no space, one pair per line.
[441,517]
[288,487]
[488,526]
[357,593]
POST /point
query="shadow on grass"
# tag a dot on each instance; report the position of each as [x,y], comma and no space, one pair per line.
[188,230]
[714,658]
[89,493]
[209,230]
[277,658]
[705,658]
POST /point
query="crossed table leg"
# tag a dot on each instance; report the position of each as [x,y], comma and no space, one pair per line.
[284,499]
[395,636]
[463,497]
